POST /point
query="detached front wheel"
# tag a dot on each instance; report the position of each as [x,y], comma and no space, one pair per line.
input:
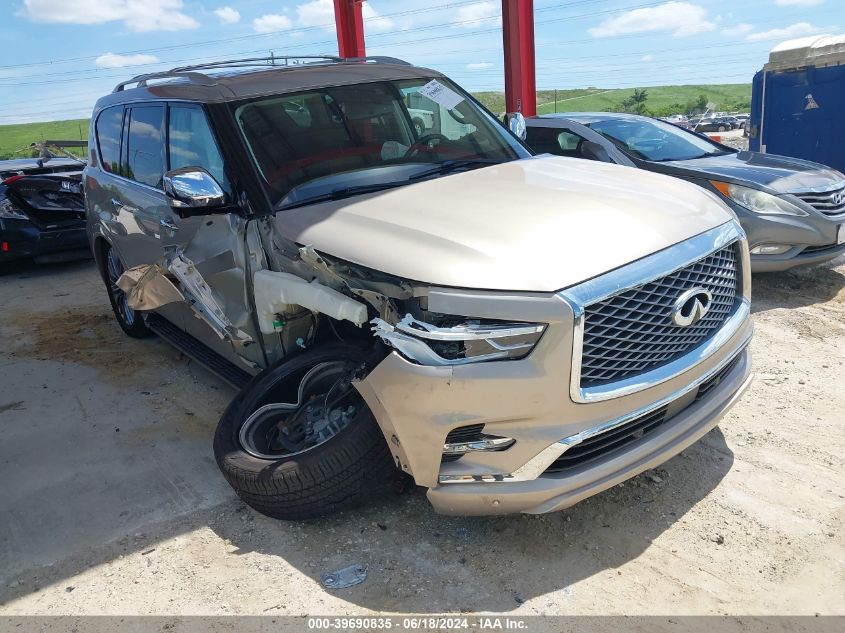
[300,441]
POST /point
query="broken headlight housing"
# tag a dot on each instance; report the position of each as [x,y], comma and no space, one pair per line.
[469,341]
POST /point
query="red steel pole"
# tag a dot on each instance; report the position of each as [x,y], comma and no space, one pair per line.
[350,28]
[518,42]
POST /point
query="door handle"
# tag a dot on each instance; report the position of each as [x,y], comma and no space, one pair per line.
[167,224]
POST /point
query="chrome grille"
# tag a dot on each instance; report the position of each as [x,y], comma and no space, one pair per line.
[828,202]
[632,332]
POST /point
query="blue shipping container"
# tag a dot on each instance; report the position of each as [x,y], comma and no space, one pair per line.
[798,101]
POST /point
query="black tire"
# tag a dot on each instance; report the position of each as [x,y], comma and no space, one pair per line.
[350,467]
[419,127]
[721,128]
[130,321]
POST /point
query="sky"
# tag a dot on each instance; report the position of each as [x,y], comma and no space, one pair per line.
[58,56]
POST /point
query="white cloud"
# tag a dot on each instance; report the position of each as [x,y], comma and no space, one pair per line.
[647,58]
[227,15]
[321,13]
[316,13]
[271,23]
[137,15]
[793,30]
[740,29]
[373,22]
[477,15]
[678,18]
[112,60]
[479,65]
[798,3]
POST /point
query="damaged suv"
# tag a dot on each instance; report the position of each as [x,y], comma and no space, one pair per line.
[515,333]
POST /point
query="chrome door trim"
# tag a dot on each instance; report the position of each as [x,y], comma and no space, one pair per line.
[643,271]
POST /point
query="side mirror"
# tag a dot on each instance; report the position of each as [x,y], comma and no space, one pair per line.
[193,191]
[516,124]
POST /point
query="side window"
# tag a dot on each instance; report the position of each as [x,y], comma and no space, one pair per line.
[108,137]
[568,141]
[553,141]
[191,142]
[144,151]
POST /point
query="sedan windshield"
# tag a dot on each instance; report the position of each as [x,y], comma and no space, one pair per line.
[654,140]
[352,139]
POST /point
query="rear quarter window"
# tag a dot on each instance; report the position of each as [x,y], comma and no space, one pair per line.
[108,137]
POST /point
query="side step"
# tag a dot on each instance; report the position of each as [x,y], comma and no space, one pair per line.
[190,346]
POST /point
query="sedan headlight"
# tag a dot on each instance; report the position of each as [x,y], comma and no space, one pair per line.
[756,200]
[468,341]
[10,211]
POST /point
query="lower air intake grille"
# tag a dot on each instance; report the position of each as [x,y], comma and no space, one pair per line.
[633,430]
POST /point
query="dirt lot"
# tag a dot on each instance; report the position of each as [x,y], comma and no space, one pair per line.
[112,504]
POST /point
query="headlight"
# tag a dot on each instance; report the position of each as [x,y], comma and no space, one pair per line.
[10,211]
[756,200]
[468,341]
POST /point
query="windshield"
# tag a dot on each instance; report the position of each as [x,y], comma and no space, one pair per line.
[654,140]
[312,143]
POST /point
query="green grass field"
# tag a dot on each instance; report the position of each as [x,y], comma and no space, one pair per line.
[662,100]
[16,137]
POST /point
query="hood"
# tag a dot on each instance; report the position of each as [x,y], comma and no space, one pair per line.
[779,173]
[538,224]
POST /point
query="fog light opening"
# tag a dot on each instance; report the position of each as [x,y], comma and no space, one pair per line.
[770,249]
[468,439]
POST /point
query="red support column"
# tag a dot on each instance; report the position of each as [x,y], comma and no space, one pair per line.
[518,41]
[350,28]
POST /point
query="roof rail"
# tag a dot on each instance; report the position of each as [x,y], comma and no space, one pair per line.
[192,74]
[141,80]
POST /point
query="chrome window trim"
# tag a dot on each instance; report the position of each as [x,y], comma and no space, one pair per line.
[538,464]
[643,271]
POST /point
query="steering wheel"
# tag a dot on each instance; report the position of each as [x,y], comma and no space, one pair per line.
[425,141]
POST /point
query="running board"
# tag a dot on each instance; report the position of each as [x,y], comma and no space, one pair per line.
[201,353]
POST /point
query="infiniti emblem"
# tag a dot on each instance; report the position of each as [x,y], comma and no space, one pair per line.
[691,307]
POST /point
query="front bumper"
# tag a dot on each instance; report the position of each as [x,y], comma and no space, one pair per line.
[796,256]
[26,240]
[812,238]
[530,401]
[551,492]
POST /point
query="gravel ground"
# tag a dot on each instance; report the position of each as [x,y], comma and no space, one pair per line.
[112,503]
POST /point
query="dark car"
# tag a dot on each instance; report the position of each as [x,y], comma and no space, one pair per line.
[792,210]
[42,213]
[712,124]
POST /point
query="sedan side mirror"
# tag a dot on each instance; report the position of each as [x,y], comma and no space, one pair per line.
[517,125]
[193,191]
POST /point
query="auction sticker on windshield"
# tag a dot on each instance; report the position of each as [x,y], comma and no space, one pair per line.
[440,94]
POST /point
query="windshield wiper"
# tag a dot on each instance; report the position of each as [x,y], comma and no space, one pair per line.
[340,194]
[347,192]
[448,166]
